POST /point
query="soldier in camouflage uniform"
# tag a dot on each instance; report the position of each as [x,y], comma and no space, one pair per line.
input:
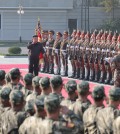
[71,87]
[15,76]
[4,102]
[36,89]
[56,52]
[2,78]
[45,86]
[33,124]
[82,103]
[56,83]
[116,126]
[54,123]
[89,116]
[106,116]
[14,117]
[28,88]
[49,48]
[64,53]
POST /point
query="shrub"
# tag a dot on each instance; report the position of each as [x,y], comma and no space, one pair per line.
[14,50]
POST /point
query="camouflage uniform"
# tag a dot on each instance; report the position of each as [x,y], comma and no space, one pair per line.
[2,78]
[12,119]
[106,116]
[28,82]
[36,89]
[49,125]
[32,124]
[115,66]
[89,116]
[15,74]
[116,126]
[80,106]
[71,87]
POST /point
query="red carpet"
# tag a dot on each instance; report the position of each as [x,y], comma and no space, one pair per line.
[23,68]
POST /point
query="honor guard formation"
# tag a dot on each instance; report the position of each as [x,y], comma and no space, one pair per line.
[90,54]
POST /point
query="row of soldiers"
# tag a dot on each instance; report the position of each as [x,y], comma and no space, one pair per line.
[38,107]
[89,54]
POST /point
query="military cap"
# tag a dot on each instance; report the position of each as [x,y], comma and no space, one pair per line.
[65,33]
[114,93]
[29,106]
[35,36]
[59,33]
[83,87]
[28,78]
[52,102]
[44,82]
[39,102]
[35,80]
[56,80]
[14,72]
[2,74]
[7,77]
[51,31]
[16,96]
[98,92]
[71,86]
[5,92]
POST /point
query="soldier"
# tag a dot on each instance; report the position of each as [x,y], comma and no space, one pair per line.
[44,41]
[29,107]
[64,53]
[33,124]
[15,76]
[35,48]
[28,88]
[56,52]
[14,117]
[115,68]
[4,102]
[2,78]
[56,84]
[36,89]
[106,116]
[116,126]
[89,116]
[86,67]
[72,53]
[76,56]
[49,48]
[82,103]
[71,87]
[45,86]
[53,123]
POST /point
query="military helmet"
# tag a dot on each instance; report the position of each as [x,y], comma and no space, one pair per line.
[114,93]
[14,73]
[5,92]
[28,78]
[44,82]
[35,81]
[71,86]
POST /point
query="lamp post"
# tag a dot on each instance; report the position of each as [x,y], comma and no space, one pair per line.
[20,12]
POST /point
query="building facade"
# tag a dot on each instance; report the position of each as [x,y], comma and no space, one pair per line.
[58,15]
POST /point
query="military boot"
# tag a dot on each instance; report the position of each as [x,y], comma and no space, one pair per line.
[91,77]
[108,78]
[51,70]
[73,74]
[102,77]
[81,73]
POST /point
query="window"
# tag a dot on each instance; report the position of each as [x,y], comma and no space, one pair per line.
[72,24]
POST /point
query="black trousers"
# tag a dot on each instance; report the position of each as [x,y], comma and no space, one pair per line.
[34,65]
